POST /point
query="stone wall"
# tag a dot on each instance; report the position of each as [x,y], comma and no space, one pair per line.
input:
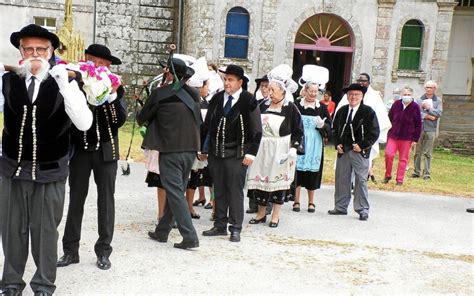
[139,33]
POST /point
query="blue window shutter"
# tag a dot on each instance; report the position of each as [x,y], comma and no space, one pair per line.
[237,33]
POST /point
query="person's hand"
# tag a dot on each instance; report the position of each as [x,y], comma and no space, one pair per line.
[340,149]
[319,121]
[247,161]
[202,157]
[60,75]
[356,148]
[292,153]
[431,117]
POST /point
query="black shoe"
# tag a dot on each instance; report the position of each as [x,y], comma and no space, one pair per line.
[336,212]
[235,237]
[296,207]
[103,263]
[66,260]
[399,183]
[427,178]
[313,209]
[199,202]
[186,245]
[42,293]
[158,238]
[386,180]
[251,211]
[274,224]
[372,178]
[414,175]
[214,232]
[208,206]
[363,217]
[11,292]
[470,210]
[195,216]
[257,221]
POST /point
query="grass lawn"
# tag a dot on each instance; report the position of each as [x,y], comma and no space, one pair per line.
[451,174]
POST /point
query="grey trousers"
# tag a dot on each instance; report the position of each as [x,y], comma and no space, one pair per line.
[424,148]
[345,163]
[174,175]
[228,175]
[32,209]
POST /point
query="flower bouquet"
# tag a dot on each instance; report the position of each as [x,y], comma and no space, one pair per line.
[98,81]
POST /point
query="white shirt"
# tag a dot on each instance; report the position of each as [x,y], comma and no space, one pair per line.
[356,108]
[38,80]
[235,97]
[75,103]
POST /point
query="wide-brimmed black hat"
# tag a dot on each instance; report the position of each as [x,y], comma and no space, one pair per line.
[235,70]
[263,78]
[180,68]
[102,51]
[355,86]
[34,31]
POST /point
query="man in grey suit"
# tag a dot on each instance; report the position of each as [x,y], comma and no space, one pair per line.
[173,116]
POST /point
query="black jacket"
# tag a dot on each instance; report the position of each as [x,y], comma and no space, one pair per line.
[173,119]
[365,127]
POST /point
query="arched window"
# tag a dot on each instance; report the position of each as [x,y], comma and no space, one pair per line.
[411,44]
[237,33]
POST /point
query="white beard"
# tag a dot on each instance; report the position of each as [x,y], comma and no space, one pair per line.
[25,68]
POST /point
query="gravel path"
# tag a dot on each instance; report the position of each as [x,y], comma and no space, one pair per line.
[412,243]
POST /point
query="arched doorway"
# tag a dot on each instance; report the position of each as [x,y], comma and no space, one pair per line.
[325,40]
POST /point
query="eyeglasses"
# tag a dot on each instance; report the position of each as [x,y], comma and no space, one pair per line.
[362,80]
[39,50]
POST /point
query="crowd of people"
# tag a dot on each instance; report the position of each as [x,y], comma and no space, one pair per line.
[202,128]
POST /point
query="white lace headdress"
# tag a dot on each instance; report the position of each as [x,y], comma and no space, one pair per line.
[281,74]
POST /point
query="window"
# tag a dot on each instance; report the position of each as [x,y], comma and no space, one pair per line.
[410,47]
[466,3]
[237,33]
[46,22]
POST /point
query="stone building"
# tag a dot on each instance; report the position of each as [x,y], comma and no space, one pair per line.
[398,42]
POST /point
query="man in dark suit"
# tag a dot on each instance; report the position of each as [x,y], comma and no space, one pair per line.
[233,130]
[355,129]
[173,116]
[40,105]
[96,150]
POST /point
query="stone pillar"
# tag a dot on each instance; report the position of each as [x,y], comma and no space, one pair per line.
[267,47]
[139,33]
[439,61]
[382,38]
[199,29]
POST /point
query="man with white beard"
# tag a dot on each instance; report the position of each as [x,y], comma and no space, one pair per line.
[39,105]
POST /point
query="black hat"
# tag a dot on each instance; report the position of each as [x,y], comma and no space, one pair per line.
[180,68]
[264,78]
[34,31]
[235,70]
[355,86]
[101,51]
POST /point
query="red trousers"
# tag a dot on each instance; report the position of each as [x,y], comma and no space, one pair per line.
[403,148]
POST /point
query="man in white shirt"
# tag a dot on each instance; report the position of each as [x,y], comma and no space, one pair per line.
[39,105]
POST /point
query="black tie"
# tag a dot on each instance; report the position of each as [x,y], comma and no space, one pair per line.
[228,105]
[31,88]
[349,118]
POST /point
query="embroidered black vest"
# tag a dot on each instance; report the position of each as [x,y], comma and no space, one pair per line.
[39,131]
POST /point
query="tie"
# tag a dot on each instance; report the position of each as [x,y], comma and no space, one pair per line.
[349,118]
[228,105]
[31,88]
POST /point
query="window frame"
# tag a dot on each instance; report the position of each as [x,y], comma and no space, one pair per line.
[237,10]
[404,49]
[45,22]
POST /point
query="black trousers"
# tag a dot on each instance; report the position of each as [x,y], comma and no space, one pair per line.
[105,174]
[31,210]
[174,174]
[228,175]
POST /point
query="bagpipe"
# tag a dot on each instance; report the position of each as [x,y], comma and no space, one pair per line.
[140,99]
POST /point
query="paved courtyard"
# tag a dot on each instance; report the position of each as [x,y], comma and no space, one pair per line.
[412,243]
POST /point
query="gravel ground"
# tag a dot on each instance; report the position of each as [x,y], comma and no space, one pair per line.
[412,243]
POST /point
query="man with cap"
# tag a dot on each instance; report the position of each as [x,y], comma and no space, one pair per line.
[355,129]
[40,105]
[95,150]
[232,131]
[173,116]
